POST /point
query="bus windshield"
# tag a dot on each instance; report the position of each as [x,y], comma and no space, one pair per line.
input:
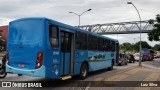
[25,31]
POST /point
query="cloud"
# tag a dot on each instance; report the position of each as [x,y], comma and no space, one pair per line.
[4,21]
[103,11]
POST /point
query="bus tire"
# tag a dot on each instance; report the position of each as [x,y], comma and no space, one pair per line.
[3,73]
[84,71]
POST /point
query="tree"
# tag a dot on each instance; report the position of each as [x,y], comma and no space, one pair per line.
[126,47]
[144,45]
[134,47]
[157,47]
[154,35]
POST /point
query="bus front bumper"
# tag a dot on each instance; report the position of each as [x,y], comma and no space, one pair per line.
[40,72]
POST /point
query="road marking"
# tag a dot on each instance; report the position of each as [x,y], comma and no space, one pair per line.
[88,86]
[132,71]
[116,77]
[98,79]
[152,77]
[142,88]
[120,76]
[150,66]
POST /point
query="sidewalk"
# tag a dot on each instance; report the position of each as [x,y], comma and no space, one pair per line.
[132,74]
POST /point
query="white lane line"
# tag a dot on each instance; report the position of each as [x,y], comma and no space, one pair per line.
[88,86]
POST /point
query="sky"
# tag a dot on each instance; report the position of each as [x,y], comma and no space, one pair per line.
[103,11]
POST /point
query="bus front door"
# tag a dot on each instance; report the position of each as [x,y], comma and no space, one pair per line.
[66,52]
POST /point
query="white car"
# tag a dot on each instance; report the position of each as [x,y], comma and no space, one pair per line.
[137,56]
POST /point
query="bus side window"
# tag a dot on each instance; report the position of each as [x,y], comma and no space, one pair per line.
[108,46]
[53,36]
[81,41]
[112,46]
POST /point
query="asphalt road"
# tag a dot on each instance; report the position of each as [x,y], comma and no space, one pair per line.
[154,64]
[71,85]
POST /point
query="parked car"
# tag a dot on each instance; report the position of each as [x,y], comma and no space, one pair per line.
[137,57]
[157,56]
[122,59]
[130,58]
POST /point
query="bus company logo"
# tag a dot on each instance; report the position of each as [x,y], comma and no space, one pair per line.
[21,84]
[6,84]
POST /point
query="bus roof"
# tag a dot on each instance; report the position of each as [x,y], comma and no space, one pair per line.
[65,26]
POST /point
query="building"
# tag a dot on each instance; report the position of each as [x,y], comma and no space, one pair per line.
[4,31]
[4,34]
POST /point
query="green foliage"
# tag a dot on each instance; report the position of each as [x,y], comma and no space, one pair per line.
[144,44]
[155,33]
[126,47]
[157,47]
[134,47]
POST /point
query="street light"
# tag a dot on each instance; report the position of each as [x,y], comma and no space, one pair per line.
[79,15]
[140,46]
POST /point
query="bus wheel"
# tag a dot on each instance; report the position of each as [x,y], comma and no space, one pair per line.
[3,73]
[83,71]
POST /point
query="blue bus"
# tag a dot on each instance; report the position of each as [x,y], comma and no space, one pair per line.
[43,47]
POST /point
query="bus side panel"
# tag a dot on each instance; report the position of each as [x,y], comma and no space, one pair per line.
[99,60]
[77,67]
[97,65]
[80,57]
[96,60]
[52,58]
[52,64]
